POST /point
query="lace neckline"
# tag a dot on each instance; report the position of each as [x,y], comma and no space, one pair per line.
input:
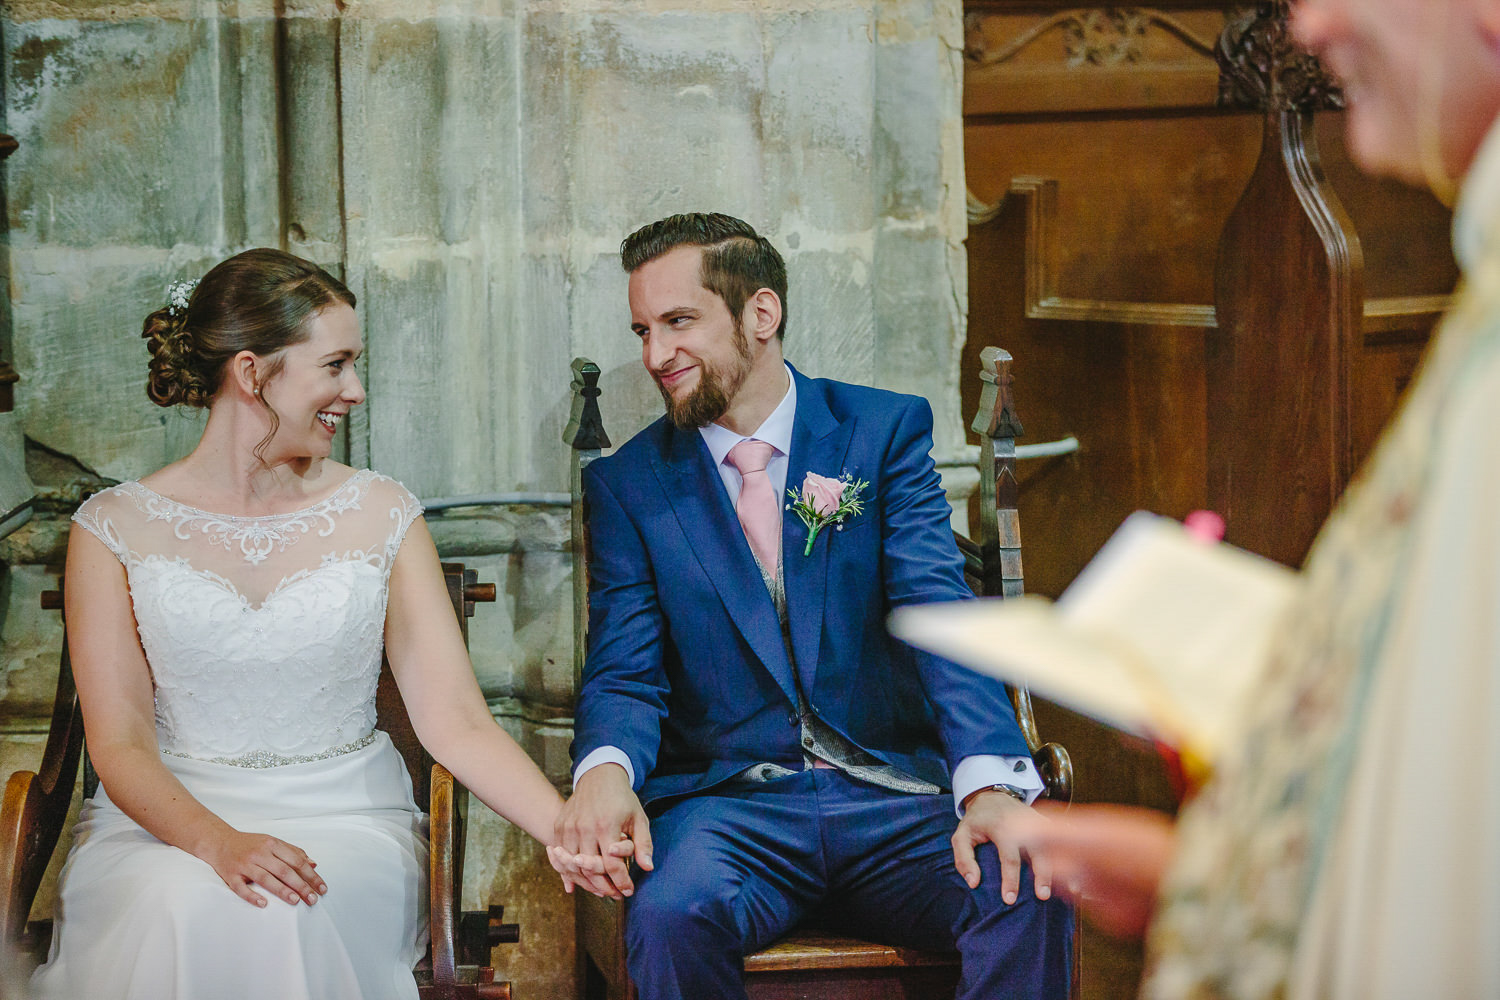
[352,480]
[258,535]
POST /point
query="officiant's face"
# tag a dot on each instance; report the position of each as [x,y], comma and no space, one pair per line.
[693,347]
[1417,74]
[317,385]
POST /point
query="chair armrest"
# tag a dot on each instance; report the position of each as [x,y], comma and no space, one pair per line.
[447,806]
[17,837]
[35,809]
[1052,759]
[1056,767]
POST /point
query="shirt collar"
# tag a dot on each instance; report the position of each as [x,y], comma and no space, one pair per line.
[775,430]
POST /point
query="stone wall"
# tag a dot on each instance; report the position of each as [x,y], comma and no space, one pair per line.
[470,167]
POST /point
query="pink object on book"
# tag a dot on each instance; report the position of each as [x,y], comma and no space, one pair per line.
[1205,526]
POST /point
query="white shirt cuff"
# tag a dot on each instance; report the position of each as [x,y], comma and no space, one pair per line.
[982,770]
[606,755]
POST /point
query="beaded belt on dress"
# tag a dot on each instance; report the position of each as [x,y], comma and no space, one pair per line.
[265,758]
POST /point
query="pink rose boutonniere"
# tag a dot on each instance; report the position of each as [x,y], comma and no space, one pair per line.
[825,501]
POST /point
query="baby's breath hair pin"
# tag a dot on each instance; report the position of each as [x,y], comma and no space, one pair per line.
[178,293]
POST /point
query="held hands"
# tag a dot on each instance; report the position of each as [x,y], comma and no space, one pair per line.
[589,870]
[243,859]
[598,830]
[993,817]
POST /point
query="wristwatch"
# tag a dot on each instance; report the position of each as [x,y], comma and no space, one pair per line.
[1016,793]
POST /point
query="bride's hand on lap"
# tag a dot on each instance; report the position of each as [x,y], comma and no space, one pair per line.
[243,859]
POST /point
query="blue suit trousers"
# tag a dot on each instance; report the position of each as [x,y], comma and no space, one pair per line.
[738,866]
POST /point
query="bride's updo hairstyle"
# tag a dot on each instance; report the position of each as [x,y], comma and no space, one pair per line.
[258,301]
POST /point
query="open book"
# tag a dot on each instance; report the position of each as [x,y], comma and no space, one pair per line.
[1162,634]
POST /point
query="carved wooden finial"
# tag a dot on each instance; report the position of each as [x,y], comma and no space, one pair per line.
[1262,68]
[997,414]
[585,430]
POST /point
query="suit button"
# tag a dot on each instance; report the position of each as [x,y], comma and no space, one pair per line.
[792,719]
[807,741]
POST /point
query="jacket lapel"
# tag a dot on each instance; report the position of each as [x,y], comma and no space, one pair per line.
[819,444]
[696,493]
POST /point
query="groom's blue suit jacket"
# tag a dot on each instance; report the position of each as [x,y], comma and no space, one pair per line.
[687,671]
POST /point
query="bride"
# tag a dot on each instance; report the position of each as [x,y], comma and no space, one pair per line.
[226,616]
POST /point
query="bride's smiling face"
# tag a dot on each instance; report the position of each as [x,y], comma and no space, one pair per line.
[317,385]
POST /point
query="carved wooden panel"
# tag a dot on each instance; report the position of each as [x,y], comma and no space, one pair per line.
[1026,59]
[1098,273]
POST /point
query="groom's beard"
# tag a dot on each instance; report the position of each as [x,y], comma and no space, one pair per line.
[716,389]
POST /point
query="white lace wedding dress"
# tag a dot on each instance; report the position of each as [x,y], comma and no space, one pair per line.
[264,637]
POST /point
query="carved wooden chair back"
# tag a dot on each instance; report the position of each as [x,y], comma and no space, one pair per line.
[992,562]
[809,962]
[35,808]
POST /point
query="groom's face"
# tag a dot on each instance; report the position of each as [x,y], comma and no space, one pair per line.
[695,350]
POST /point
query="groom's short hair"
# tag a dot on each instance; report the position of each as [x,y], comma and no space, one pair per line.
[737,261]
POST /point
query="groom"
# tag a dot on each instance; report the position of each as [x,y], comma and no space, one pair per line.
[741,688]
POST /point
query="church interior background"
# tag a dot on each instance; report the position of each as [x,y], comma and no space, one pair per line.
[942,177]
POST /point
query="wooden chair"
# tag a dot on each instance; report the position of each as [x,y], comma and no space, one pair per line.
[811,961]
[35,808]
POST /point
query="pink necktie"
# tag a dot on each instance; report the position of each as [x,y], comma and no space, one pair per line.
[758,509]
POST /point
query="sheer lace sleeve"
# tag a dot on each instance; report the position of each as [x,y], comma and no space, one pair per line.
[94,516]
[405,508]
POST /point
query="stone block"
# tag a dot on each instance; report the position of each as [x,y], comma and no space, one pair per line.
[79,314]
[533,350]
[918,335]
[15,486]
[313,154]
[436,144]
[432,389]
[830,321]
[818,121]
[123,126]
[626,68]
[30,643]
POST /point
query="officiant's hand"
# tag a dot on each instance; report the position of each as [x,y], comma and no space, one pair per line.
[243,859]
[602,813]
[1107,859]
[990,818]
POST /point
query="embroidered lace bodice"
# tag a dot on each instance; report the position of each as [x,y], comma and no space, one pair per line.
[263,634]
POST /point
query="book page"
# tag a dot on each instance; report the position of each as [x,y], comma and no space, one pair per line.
[1161,634]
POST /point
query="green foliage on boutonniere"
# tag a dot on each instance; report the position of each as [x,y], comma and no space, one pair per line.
[825,501]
